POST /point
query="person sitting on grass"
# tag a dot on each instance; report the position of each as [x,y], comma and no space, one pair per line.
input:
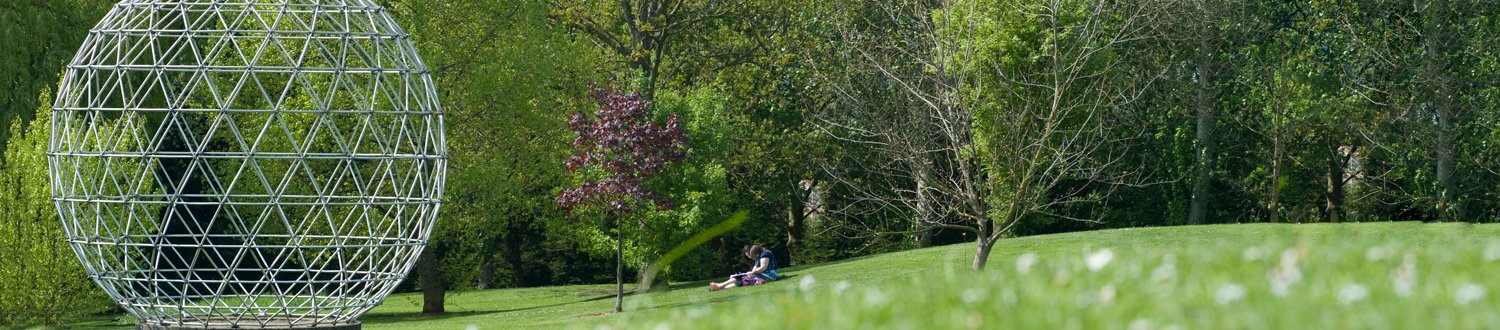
[763,270]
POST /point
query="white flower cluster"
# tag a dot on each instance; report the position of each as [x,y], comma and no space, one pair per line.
[1167,271]
[1492,251]
[1468,293]
[1353,293]
[1024,262]
[1377,253]
[1099,259]
[1229,293]
[1286,274]
[1404,277]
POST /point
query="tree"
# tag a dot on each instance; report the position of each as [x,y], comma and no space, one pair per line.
[1205,31]
[1058,117]
[41,277]
[978,132]
[901,96]
[1420,74]
[754,54]
[641,32]
[41,36]
[503,69]
[618,150]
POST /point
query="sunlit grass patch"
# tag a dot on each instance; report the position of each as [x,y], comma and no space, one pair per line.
[1257,276]
[1320,276]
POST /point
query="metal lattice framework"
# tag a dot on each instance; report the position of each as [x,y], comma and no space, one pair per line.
[247,163]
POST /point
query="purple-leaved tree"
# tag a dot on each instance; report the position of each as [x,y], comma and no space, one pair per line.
[618,149]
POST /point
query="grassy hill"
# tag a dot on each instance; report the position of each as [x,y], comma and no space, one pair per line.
[1372,275]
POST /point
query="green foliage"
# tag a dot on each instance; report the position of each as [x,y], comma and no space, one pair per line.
[699,185]
[40,36]
[41,279]
[507,78]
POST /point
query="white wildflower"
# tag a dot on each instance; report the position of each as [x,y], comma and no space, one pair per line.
[1140,324]
[1107,294]
[1492,251]
[1167,270]
[874,297]
[1467,293]
[1285,275]
[1377,253]
[472,327]
[806,284]
[1229,293]
[840,287]
[972,295]
[1353,293]
[1099,259]
[1024,262]
[1404,277]
[1255,253]
[1289,256]
[1282,280]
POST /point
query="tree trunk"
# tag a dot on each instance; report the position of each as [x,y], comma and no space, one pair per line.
[1205,105]
[1276,176]
[1447,150]
[982,252]
[431,280]
[1448,202]
[619,265]
[486,276]
[1198,207]
[1334,198]
[922,234]
[513,248]
[983,243]
[1442,94]
[796,226]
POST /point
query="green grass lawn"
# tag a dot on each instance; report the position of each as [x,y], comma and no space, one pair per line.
[1264,276]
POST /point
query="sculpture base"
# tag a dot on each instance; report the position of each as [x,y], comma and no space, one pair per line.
[226,325]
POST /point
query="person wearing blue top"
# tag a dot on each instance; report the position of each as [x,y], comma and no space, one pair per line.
[762,270]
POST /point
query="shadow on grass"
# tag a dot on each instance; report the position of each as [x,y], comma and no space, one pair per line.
[593,295]
[718,297]
[385,318]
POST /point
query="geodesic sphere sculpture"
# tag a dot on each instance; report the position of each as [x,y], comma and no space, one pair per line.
[247,163]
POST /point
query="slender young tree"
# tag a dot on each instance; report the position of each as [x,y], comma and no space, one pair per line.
[978,134]
[618,149]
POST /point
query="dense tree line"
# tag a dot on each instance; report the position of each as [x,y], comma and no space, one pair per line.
[40,37]
[852,127]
